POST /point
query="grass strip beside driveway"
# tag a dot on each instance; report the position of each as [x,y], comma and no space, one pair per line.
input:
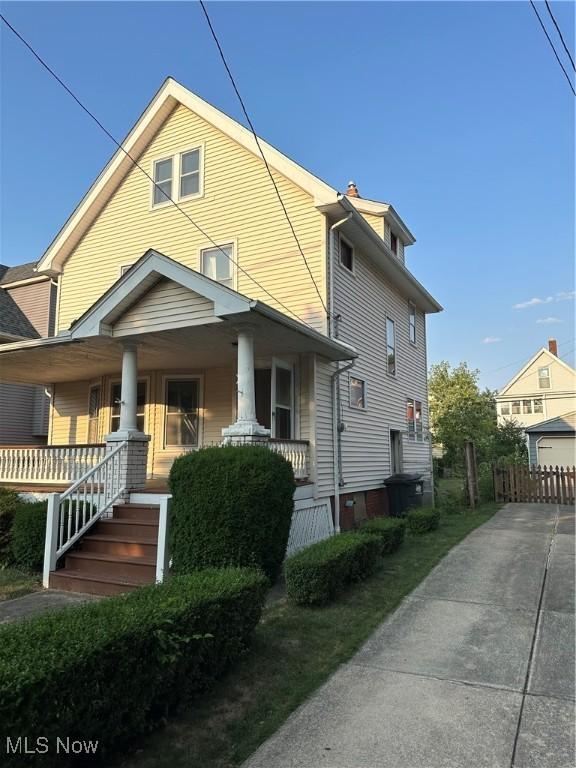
[294,651]
[16,583]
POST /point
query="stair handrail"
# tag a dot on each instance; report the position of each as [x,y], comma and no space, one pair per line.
[73,512]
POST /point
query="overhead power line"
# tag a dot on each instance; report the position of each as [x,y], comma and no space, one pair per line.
[560,35]
[257,140]
[137,165]
[566,75]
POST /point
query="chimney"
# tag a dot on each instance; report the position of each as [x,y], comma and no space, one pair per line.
[352,190]
[553,347]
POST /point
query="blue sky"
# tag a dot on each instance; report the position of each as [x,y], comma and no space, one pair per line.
[457,113]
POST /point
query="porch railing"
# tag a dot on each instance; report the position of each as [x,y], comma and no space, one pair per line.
[48,463]
[71,513]
[296,452]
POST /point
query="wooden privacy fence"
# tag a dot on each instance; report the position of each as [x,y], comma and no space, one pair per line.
[544,485]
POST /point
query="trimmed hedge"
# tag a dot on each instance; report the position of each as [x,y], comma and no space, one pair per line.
[9,503]
[390,531]
[423,520]
[107,671]
[230,506]
[28,534]
[315,575]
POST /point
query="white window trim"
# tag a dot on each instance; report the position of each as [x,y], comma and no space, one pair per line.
[412,308]
[233,241]
[125,267]
[416,437]
[108,404]
[395,374]
[350,403]
[349,244]
[187,377]
[176,158]
[545,389]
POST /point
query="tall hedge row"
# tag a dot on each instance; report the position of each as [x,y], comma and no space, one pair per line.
[230,506]
[106,671]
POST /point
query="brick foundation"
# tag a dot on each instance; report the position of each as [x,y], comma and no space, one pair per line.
[361,506]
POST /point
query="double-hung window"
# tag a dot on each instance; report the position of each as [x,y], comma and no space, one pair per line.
[544,377]
[93,413]
[346,255]
[390,347]
[538,407]
[218,263]
[414,419]
[189,173]
[505,409]
[116,403]
[181,423]
[178,177]
[357,393]
[515,407]
[412,323]
[163,181]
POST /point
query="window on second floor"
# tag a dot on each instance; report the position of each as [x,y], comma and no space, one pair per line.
[218,264]
[505,409]
[544,377]
[516,407]
[526,406]
[189,173]
[357,392]
[414,419]
[162,181]
[390,347]
[346,255]
[538,407]
[412,323]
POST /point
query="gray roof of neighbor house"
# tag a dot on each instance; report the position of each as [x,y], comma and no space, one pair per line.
[17,273]
[564,423]
[13,321]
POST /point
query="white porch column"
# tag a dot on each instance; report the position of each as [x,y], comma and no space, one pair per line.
[129,388]
[246,428]
[134,462]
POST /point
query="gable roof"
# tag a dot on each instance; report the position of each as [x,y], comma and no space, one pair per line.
[564,423]
[13,322]
[170,95]
[553,359]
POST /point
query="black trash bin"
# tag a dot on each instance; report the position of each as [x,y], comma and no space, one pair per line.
[404,492]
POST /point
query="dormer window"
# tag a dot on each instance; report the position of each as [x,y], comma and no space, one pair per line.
[393,243]
[346,255]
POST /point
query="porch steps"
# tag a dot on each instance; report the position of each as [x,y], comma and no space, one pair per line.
[117,555]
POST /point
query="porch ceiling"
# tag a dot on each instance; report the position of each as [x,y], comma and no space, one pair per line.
[49,361]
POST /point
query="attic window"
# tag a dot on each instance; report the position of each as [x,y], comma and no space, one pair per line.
[544,378]
[393,243]
[178,177]
[189,173]
[162,181]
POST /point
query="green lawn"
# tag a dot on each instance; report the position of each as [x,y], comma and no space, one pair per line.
[16,583]
[294,651]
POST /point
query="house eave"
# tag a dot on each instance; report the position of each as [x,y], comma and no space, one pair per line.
[387,212]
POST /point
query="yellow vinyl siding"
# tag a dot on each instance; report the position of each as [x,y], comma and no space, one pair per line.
[376,222]
[239,204]
[69,413]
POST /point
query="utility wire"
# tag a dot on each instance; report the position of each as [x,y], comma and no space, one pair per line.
[522,359]
[256,139]
[553,47]
[137,165]
[560,35]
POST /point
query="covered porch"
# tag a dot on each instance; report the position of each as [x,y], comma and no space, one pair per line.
[175,361]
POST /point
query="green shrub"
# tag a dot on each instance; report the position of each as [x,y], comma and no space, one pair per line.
[423,520]
[485,483]
[9,502]
[109,670]
[390,531]
[231,506]
[28,534]
[316,574]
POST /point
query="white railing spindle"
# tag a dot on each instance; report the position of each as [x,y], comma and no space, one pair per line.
[49,463]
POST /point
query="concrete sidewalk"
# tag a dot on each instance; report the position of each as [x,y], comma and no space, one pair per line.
[475,669]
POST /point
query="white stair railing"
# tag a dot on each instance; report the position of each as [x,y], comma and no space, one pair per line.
[73,512]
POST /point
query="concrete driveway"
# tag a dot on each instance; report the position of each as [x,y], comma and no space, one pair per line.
[475,669]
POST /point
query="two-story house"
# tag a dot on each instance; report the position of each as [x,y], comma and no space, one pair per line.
[541,398]
[542,389]
[27,311]
[188,315]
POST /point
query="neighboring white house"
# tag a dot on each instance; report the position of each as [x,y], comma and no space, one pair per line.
[542,389]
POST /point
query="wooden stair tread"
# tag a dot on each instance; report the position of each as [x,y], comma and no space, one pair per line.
[134,505]
[127,521]
[72,573]
[115,539]
[104,557]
